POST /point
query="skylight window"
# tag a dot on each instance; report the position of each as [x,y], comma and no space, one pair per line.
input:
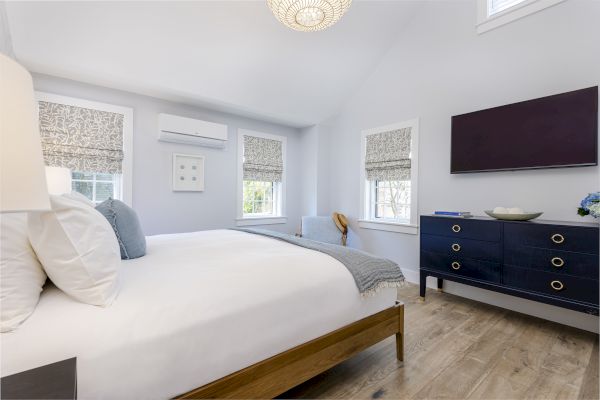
[492,14]
[496,6]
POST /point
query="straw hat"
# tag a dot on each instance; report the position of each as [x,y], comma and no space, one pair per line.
[340,221]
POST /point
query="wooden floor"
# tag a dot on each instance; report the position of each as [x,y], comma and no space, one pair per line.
[457,349]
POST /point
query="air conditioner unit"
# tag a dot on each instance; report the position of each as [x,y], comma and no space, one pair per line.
[172,128]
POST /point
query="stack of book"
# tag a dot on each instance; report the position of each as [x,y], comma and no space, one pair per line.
[464,214]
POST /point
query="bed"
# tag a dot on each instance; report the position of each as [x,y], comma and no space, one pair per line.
[208,314]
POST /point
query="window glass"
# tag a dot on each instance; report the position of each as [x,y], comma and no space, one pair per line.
[392,200]
[84,187]
[259,198]
[83,175]
[496,6]
[104,191]
[96,187]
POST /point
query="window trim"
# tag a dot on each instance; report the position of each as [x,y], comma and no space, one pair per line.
[280,218]
[249,221]
[486,22]
[127,112]
[367,221]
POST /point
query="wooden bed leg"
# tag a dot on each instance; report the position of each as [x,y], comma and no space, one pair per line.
[440,285]
[400,334]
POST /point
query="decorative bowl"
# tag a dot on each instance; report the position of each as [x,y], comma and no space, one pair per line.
[514,217]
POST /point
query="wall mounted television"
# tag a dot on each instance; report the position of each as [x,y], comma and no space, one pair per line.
[549,132]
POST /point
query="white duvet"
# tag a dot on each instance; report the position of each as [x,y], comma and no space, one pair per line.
[197,307]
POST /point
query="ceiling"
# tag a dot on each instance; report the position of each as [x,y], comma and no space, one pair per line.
[226,55]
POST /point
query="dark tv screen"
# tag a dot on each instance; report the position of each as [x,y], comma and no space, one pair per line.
[553,131]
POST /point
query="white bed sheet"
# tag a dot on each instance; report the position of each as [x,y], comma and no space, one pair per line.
[197,307]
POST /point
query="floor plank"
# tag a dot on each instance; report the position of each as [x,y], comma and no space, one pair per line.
[519,365]
[457,348]
[589,387]
[458,380]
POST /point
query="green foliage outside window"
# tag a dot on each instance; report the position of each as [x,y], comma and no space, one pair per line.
[258,198]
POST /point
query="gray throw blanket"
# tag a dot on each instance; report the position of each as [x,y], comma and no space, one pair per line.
[369,272]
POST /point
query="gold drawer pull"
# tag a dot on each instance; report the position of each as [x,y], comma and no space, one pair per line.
[456,247]
[557,285]
[455,265]
[557,238]
[557,262]
[456,228]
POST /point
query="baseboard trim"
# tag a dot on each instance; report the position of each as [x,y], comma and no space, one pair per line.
[529,307]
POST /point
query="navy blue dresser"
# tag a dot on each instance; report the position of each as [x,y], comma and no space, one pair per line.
[550,262]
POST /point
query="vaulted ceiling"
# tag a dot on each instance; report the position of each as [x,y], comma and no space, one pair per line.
[228,55]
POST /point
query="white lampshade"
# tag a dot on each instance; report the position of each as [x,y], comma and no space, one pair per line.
[22,177]
[58,180]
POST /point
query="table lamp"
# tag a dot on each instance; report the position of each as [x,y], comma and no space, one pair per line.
[22,177]
[58,180]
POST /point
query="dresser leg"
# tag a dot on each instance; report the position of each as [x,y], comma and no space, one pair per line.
[422,285]
[440,285]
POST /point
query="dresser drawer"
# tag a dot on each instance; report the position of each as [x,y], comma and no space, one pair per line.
[462,228]
[474,269]
[565,286]
[561,262]
[459,247]
[581,239]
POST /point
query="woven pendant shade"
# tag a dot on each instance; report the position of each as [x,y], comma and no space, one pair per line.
[308,15]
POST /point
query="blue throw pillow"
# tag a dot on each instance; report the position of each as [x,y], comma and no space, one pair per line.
[126,225]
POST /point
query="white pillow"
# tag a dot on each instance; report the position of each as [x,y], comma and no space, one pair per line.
[21,275]
[79,197]
[78,250]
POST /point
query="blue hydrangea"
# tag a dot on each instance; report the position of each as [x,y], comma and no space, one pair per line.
[590,199]
[590,205]
[594,210]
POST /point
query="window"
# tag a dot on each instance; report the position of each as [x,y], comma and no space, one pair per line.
[389,177]
[101,168]
[97,187]
[261,171]
[494,13]
[391,200]
[261,198]
[496,6]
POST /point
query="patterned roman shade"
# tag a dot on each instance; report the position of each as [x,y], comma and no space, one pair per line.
[263,159]
[387,155]
[81,139]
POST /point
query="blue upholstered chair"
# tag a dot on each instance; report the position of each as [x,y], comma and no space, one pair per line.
[325,229]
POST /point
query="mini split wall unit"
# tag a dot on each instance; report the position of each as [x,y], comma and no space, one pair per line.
[175,129]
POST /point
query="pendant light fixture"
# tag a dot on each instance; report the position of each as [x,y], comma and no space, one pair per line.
[308,15]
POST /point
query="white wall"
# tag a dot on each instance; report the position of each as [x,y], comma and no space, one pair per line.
[440,67]
[310,144]
[162,210]
[5,40]
[324,164]
[315,169]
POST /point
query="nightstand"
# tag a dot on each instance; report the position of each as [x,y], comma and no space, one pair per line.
[52,381]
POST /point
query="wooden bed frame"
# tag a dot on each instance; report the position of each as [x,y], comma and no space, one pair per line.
[275,375]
